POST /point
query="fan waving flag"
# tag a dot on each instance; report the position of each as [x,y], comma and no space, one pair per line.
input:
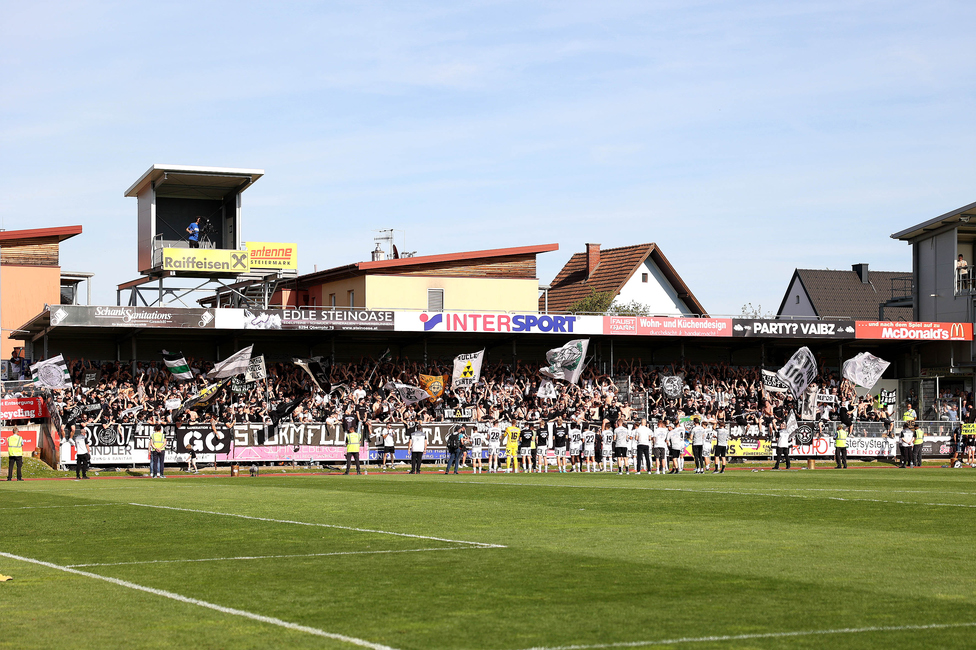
[176,363]
[235,364]
[409,394]
[51,373]
[434,385]
[467,369]
[204,397]
[318,370]
[800,371]
[566,362]
[865,369]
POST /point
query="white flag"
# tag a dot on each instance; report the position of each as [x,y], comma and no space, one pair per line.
[256,369]
[865,369]
[672,385]
[772,383]
[791,425]
[547,390]
[52,373]
[235,364]
[409,394]
[467,369]
[799,371]
[566,362]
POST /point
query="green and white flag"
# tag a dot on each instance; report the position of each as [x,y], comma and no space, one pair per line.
[177,365]
[51,373]
[567,362]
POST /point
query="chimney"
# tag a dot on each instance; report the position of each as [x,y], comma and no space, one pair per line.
[862,272]
[592,259]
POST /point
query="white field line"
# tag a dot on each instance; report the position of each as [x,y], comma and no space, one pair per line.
[306,523]
[767,635]
[733,492]
[77,505]
[202,603]
[276,557]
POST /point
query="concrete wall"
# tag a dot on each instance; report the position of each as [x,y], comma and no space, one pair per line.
[463,294]
[24,290]
[657,293]
[936,257]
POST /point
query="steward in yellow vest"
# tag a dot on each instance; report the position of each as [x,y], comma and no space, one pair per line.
[353,440]
[15,455]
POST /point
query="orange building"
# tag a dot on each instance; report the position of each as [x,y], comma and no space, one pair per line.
[30,277]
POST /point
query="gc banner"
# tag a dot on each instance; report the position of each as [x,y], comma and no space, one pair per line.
[202,438]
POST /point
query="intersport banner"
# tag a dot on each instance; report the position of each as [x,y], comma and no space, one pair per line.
[663,326]
[910,331]
[497,323]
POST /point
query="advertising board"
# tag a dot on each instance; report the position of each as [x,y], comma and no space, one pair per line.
[272,255]
[23,408]
[497,323]
[319,318]
[664,326]
[794,329]
[909,331]
[30,436]
[205,261]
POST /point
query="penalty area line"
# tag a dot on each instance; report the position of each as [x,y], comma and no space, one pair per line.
[276,557]
[307,523]
[202,603]
[761,635]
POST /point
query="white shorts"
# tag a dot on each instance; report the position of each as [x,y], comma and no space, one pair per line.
[574,451]
[589,450]
[525,451]
[493,449]
[560,452]
[475,452]
[541,451]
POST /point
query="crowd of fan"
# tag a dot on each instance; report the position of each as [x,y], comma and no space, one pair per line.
[119,392]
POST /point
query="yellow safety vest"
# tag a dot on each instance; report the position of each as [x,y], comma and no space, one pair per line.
[158,439]
[909,415]
[919,435]
[352,441]
[15,445]
[841,441]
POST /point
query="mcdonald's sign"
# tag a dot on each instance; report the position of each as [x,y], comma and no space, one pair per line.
[901,331]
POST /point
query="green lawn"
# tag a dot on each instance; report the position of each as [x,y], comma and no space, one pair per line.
[518,561]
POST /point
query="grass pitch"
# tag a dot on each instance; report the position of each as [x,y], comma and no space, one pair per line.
[878,558]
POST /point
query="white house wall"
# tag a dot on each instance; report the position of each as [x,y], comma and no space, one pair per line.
[798,303]
[657,293]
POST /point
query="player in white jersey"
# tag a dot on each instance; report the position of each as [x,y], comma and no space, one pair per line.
[721,445]
[589,449]
[642,439]
[606,435]
[676,447]
[707,447]
[494,443]
[660,449]
[621,443]
[575,444]
[478,437]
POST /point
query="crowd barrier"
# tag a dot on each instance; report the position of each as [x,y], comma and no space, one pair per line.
[128,444]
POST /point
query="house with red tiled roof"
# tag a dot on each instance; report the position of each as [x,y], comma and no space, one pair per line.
[500,279]
[858,294]
[639,273]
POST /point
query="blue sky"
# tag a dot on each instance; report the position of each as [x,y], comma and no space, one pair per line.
[745,138]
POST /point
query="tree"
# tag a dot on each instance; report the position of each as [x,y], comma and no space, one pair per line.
[755,313]
[602,302]
[596,303]
[632,308]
